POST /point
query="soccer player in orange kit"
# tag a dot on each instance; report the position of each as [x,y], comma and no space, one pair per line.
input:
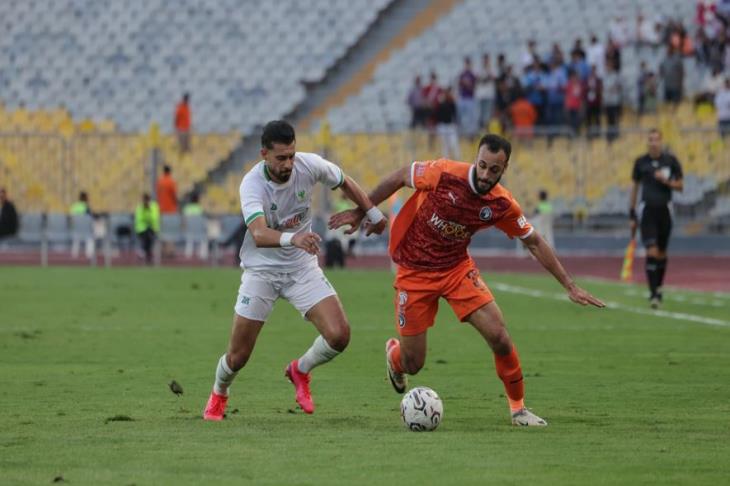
[428,243]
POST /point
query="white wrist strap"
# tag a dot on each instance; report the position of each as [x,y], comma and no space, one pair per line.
[375,215]
[285,239]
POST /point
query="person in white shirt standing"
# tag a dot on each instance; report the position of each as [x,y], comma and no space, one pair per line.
[279,255]
[722,106]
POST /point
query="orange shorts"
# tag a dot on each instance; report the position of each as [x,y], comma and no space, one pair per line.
[417,295]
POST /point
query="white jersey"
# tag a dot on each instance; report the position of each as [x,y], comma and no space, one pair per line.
[286,207]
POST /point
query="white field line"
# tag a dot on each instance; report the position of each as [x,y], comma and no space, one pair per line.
[680,316]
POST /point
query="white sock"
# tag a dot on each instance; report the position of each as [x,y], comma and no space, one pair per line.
[319,353]
[223,377]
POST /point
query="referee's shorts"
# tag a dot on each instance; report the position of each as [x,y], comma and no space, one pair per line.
[656,226]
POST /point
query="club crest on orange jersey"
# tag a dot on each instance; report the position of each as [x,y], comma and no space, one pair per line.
[485,214]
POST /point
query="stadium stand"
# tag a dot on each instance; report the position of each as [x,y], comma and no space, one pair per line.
[128,61]
[474,27]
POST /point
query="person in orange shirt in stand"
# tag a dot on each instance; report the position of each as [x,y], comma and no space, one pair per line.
[524,116]
[183,124]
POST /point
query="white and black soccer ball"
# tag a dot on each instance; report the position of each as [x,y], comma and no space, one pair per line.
[421,409]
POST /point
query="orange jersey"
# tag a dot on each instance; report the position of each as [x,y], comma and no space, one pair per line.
[182,118]
[435,226]
[167,194]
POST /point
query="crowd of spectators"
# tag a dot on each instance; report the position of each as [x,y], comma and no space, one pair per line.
[582,91]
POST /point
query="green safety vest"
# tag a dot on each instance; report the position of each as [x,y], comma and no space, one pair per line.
[545,207]
[147,218]
[79,207]
[192,209]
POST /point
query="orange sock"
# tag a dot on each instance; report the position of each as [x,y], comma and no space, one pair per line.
[394,357]
[510,372]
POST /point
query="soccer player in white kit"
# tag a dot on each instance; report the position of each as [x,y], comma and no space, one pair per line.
[279,255]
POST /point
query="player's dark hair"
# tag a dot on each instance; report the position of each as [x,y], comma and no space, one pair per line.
[495,143]
[167,169]
[655,130]
[277,131]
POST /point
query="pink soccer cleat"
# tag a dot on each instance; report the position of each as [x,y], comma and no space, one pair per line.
[301,385]
[216,407]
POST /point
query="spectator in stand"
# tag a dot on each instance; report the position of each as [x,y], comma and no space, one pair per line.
[651,93]
[574,94]
[613,55]
[467,110]
[534,90]
[183,124]
[513,83]
[612,99]
[722,106]
[712,84]
[672,73]
[529,55]
[641,86]
[430,96]
[594,102]
[523,116]
[555,85]
[8,216]
[417,104]
[596,55]
[647,32]
[485,91]
[618,31]
[556,55]
[579,65]
[578,49]
[446,124]
[501,65]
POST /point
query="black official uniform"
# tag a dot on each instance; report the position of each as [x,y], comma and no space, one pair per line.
[654,212]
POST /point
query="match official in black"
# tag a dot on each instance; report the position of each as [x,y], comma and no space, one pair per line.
[658,173]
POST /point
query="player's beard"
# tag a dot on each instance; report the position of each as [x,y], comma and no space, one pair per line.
[280,176]
[480,184]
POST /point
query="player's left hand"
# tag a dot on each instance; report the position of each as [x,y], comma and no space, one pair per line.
[351,217]
[582,297]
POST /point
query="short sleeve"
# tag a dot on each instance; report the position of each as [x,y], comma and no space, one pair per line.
[635,175]
[514,223]
[425,175]
[252,202]
[324,171]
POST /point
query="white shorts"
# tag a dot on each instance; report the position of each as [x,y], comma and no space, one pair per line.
[303,288]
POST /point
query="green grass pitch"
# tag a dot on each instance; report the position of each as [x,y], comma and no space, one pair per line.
[631,398]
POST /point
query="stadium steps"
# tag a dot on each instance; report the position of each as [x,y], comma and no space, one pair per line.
[395,19]
[405,20]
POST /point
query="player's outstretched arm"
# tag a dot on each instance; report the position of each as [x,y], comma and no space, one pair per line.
[386,188]
[265,237]
[354,192]
[547,258]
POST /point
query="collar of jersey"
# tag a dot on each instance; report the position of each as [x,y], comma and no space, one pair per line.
[271,181]
[471,181]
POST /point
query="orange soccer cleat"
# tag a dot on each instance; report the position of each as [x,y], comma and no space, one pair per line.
[216,407]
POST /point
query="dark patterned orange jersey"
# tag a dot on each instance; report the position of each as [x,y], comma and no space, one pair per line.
[435,226]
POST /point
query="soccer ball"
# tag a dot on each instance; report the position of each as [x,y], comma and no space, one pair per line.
[421,409]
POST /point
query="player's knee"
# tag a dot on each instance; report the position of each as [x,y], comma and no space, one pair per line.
[500,342]
[339,338]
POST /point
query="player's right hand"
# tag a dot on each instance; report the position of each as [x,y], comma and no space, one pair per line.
[376,228]
[308,242]
[632,226]
[352,217]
